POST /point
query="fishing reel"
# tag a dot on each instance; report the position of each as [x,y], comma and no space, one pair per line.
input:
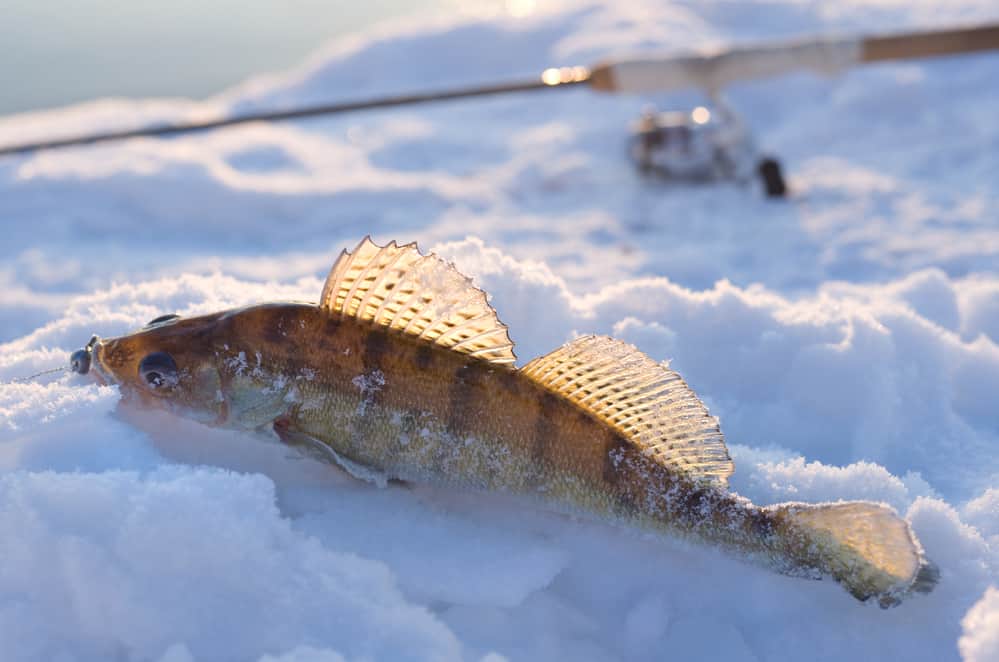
[702,145]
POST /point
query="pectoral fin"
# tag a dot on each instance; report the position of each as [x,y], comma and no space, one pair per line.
[316,449]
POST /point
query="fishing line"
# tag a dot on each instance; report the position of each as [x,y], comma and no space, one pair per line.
[25,380]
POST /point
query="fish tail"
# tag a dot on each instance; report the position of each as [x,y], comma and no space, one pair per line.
[864,546]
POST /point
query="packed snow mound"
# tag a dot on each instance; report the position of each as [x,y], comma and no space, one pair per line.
[431,568]
[110,562]
[980,641]
[847,338]
[983,512]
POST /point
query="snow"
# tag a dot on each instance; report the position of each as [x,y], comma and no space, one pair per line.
[848,339]
[981,629]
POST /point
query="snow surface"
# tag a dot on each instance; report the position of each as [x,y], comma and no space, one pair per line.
[848,339]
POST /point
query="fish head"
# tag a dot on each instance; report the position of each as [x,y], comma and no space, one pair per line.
[171,364]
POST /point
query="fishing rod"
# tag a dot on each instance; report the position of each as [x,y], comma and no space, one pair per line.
[709,70]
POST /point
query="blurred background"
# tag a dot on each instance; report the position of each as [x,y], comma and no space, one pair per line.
[64,51]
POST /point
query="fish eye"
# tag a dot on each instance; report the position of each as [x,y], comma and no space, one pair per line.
[162,319]
[158,369]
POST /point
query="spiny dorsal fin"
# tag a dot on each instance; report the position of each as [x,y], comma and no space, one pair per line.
[420,295]
[646,402]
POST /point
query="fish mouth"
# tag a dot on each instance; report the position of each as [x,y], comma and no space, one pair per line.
[103,376]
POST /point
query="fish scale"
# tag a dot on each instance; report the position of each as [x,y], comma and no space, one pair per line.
[403,371]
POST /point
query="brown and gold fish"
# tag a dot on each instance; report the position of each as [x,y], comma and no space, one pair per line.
[403,371]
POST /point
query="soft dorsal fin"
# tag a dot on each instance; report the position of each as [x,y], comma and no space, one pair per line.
[646,402]
[420,295]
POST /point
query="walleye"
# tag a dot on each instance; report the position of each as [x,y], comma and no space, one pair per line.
[403,371]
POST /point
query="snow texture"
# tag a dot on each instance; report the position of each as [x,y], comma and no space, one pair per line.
[980,641]
[848,340]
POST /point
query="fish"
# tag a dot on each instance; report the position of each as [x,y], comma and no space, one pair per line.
[402,371]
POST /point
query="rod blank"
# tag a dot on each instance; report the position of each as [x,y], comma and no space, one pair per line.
[930,44]
[710,71]
[299,113]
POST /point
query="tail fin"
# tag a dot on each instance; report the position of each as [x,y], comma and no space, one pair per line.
[864,546]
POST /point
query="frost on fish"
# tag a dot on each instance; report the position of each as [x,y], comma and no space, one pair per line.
[404,371]
[368,385]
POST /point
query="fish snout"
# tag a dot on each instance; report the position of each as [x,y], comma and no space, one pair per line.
[82,360]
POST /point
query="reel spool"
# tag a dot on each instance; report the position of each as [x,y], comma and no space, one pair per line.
[702,145]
